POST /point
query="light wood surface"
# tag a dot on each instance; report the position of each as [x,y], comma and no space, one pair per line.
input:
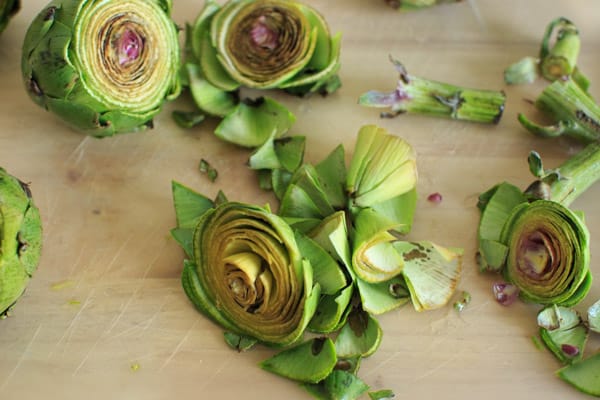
[105,316]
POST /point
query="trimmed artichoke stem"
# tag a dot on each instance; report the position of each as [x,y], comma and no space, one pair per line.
[577,114]
[560,61]
[576,175]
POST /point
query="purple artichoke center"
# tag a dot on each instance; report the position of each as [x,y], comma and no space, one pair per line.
[537,255]
[129,46]
[263,35]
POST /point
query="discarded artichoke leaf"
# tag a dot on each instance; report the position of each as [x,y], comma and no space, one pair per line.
[525,70]
[187,119]
[383,166]
[332,235]
[379,298]
[339,385]
[254,122]
[332,175]
[562,328]
[422,96]
[594,317]
[384,394]
[189,205]
[206,168]
[431,272]
[212,68]
[360,335]
[311,361]
[548,256]
[238,342]
[332,311]
[207,97]
[583,375]
[326,270]
[499,203]
[20,239]
[399,210]
[119,91]
[350,364]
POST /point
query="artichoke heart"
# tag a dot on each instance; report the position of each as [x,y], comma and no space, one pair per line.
[104,67]
[548,253]
[20,239]
[248,274]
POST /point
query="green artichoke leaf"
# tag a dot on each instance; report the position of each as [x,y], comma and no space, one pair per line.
[189,205]
[360,335]
[332,176]
[431,272]
[374,258]
[379,298]
[311,361]
[212,68]
[332,235]
[526,70]
[326,270]
[102,74]
[399,210]
[8,8]
[339,385]
[263,287]
[594,317]
[322,54]
[20,239]
[252,123]
[239,342]
[549,255]
[187,119]
[383,166]
[332,311]
[496,206]
[283,153]
[583,375]
[208,97]
[185,238]
[563,333]
[384,394]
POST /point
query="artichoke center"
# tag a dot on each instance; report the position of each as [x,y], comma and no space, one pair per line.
[264,35]
[247,279]
[128,46]
[537,256]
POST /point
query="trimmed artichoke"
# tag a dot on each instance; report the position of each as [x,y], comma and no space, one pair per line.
[539,244]
[104,67]
[246,271]
[8,8]
[20,239]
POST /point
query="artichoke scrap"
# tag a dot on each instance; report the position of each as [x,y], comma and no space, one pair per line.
[533,238]
[20,239]
[257,44]
[104,67]
[8,8]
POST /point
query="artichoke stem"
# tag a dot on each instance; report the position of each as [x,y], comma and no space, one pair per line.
[560,60]
[578,173]
[422,96]
[576,113]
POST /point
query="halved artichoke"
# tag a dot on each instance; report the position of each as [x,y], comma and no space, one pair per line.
[20,239]
[103,67]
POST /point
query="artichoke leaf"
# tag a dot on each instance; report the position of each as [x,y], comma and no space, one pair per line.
[239,342]
[360,335]
[332,235]
[399,210]
[431,272]
[311,361]
[332,175]
[569,333]
[339,385]
[207,97]
[189,205]
[332,311]
[583,375]
[594,317]
[379,298]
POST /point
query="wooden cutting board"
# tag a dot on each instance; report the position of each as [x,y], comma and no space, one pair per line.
[105,316]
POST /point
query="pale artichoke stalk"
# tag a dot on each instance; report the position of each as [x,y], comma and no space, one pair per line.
[422,96]
[576,114]
[104,67]
[8,8]
[539,244]
[20,239]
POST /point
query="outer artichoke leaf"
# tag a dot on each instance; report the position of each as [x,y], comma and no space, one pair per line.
[322,54]
[360,335]
[13,280]
[399,210]
[29,238]
[265,157]
[332,235]
[594,317]
[303,224]
[37,31]
[187,119]
[200,27]
[290,151]
[208,97]
[583,375]
[239,342]
[310,361]
[499,204]
[495,255]
[189,205]
[557,317]
[332,311]
[251,124]
[80,117]
[555,340]
[185,238]
[297,203]
[212,68]
[332,175]
[431,272]
[579,294]
[306,178]
[280,180]
[339,385]
[124,121]
[326,270]
[379,298]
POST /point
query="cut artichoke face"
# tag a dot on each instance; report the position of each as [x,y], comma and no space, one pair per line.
[262,44]
[105,67]
[250,276]
[548,253]
[20,239]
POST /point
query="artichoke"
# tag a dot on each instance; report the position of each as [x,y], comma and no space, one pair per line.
[245,271]
[8,8]
[104,67]
[20,239]
[538,243]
